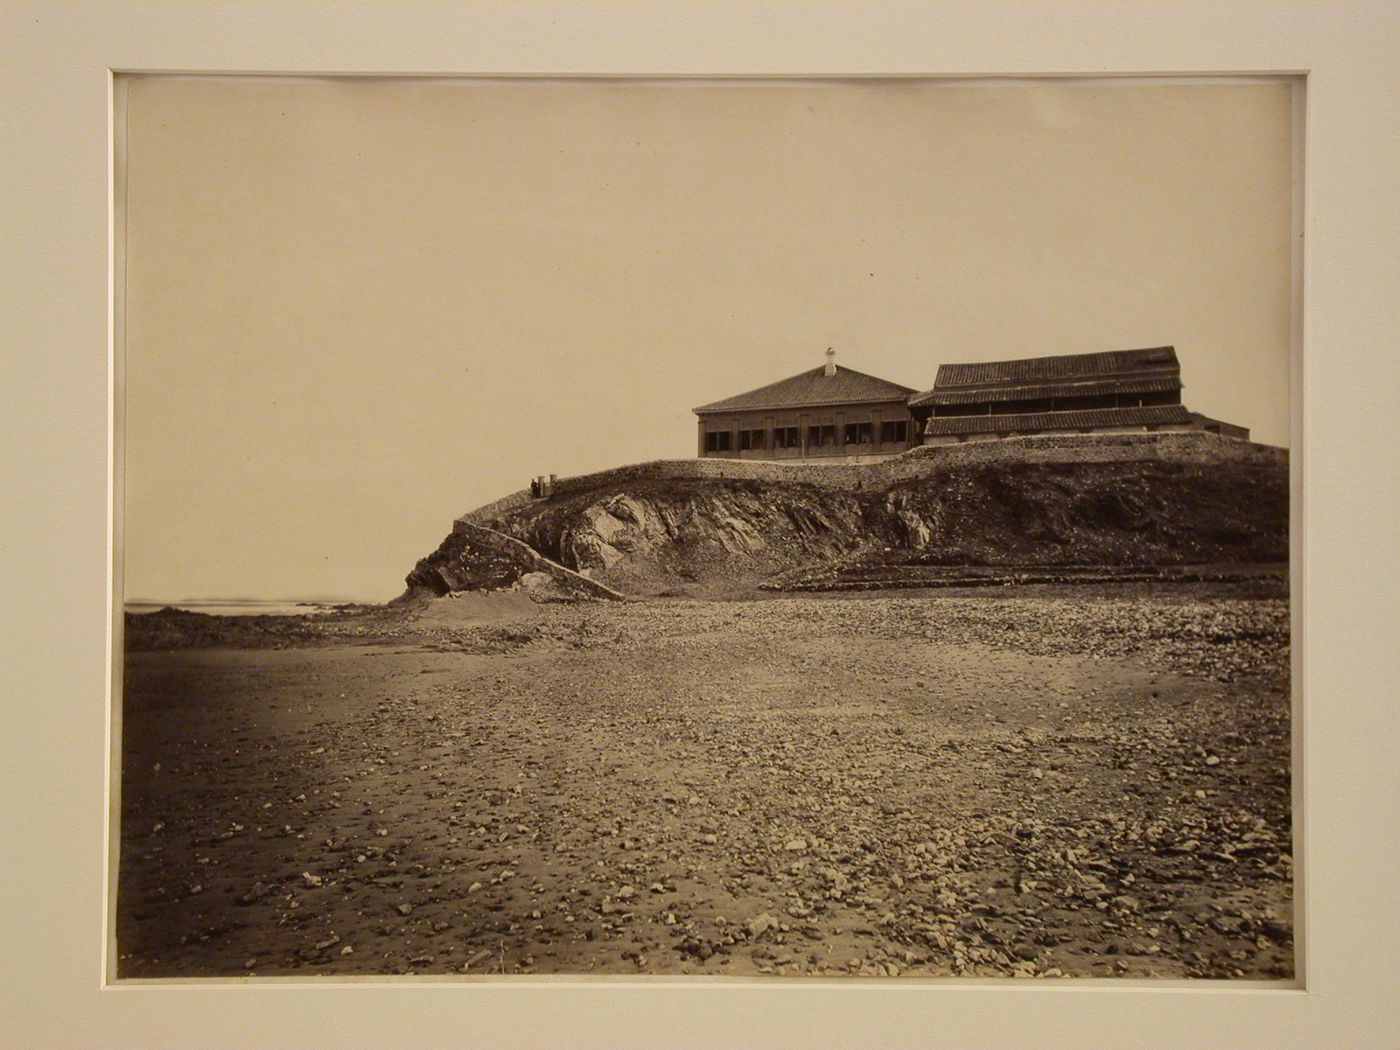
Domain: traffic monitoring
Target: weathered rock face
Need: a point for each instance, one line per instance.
(653, 534)
(1116, 514)
(474, 558)
(650, 535)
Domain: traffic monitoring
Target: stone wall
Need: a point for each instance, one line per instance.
(1191, 446)
(497, 508)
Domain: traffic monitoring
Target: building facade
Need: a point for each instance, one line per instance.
(828, 414)
(839, 415)
(1117, 392)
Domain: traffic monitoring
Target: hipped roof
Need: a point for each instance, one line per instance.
(1152, 361)
(813, 387)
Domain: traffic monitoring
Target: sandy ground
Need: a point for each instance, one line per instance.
(885, 786)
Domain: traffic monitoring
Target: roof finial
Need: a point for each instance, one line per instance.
(830, 361)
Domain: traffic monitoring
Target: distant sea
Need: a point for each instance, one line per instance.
(235, 606)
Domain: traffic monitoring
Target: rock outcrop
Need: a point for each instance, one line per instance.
(475, 558)
(650, 535)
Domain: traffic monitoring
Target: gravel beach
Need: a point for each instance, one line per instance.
(1040, 785)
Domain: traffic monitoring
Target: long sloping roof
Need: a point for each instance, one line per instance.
(1040, 391)
(1077, 419)
(1124, 364)
(814, 387)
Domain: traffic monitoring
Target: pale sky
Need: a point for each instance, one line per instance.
(358, 308)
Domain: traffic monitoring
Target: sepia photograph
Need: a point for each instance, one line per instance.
(796, 528)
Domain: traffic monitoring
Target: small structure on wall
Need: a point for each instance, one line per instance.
(829, 413)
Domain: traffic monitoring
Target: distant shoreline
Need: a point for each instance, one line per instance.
(239, 606)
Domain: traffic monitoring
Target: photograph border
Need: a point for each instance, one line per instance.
(64, 59)
(1296, 598)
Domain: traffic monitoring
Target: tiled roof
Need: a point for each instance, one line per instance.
(1073, 420)
(1160, 360)
(1070, 388)
(814, 387)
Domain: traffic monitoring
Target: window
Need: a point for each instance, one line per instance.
(786, 437)
(821, 435)
(752, 439)
(717, 441)
(894, 430)
(858, 433)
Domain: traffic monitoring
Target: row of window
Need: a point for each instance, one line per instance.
(820, 436)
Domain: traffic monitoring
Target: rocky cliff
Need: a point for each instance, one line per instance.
(1197, 503)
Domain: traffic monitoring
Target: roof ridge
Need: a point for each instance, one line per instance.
(1081, 353)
